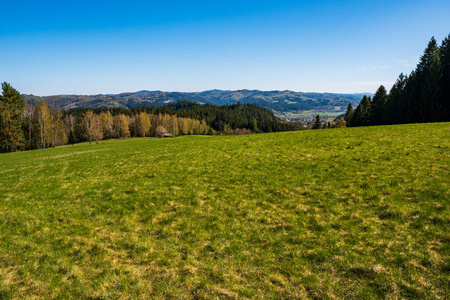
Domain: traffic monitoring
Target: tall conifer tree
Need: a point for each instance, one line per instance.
(444, 98)
(11, 119)
(349, 114)
(393, 106)
(317, 123)
(361, 116)
(377, 111)
(428, 83)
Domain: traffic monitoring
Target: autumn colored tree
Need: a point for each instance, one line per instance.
(93, 126)
(173, 125)
(183, 126)
(59, 133)
(120, 125)
(88, 124)
(42, 124)
(340, 123)
(142, 124)
(107, 125)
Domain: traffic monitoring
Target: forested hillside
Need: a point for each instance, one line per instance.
(282, 103)
(245, 116)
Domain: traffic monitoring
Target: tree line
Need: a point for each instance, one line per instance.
(222, 119)
(24, 126)
(423, 96)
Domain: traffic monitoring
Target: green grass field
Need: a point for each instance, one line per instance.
(322, 214)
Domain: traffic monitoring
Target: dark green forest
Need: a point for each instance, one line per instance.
(420, 97)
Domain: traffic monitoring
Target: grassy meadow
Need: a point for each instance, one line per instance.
(325, 214)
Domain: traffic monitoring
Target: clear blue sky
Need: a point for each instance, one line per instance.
(92, 47)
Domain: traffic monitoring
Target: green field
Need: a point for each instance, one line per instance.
(321, 214)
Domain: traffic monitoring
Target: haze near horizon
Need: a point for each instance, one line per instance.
(108, 47)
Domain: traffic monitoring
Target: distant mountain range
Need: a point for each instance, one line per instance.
(286, 104)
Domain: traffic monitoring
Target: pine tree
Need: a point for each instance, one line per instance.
(361, 116)
(12, 105)
(393, 110)
(254, 125)
(377, 112)
(317, 123)
(428, 73)
(349, 114)
(72, 137)
(444, 98)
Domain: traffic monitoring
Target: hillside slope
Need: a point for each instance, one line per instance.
(282, 103)
(344, 213)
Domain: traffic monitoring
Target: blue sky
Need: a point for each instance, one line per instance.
(92, 47)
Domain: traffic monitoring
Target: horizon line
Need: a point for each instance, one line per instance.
(210, 90)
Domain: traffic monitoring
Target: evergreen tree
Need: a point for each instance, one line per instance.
(12, 105)
(428, 73)
(317, 123)
(72, 137)
(377, 111)
(444, 98)
(349, 114)
(393, 110)
(254, 125)
(361, 116)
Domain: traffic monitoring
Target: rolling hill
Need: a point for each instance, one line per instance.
(286, 104)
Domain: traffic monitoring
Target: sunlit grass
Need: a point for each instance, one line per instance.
(342, 213)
